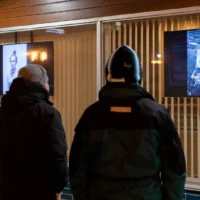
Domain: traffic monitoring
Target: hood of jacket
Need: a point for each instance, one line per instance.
(123, 92)
(23, 93)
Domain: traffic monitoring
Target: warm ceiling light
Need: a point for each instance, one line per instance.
(34, 55)
(156, 62)
(159, 55)
(43, 56)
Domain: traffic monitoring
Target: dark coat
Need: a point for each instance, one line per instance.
(126, 147)
(33, 162)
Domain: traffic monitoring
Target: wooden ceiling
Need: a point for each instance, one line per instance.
(26, 12)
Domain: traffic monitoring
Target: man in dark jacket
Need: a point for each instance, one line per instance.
(33, 162)
(126, 145)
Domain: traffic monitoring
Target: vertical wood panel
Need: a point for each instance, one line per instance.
(136, 36)
(172, 98)
(198, 138)
(178, 116)
(192, 137)
(130, 35)
(147, 54)
(8, 38)
(142, 52)
(185, 127)
(113, 39)
(165, 29)
(119, 43)
(125, 34)
(161, 67)
(99, 57)
(107, 42)
(153, 58)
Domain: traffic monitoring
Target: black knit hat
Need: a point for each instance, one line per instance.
(124, 63)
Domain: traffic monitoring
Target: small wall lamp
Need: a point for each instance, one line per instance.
(38, 55)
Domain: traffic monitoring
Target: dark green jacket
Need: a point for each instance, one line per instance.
(133, 154)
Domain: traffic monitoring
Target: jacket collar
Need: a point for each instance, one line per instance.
(24, 93)
(116, 92)
(22, 87)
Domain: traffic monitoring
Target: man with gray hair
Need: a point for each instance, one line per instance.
(33, 162)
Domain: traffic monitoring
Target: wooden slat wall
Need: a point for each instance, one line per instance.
(24, 12)
(74, 68)
(146, 37)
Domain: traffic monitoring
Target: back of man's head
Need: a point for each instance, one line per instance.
(36, 73)
(124, 64)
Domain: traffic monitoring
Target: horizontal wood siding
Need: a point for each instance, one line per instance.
(26, 12)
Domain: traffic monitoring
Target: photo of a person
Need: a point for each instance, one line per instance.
(13, 69)
(193, 56)
(14, 58)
